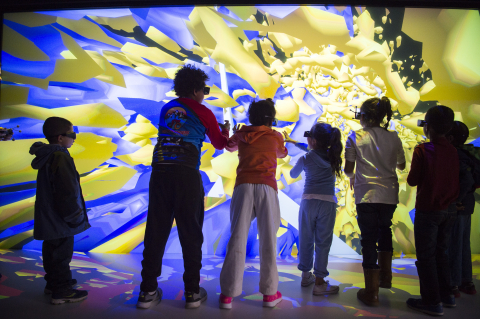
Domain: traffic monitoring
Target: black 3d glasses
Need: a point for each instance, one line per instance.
(71, 135)
(206, 90)
(421, 123)
(307, 134)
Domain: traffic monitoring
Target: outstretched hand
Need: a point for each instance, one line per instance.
(288, 139)
(236, 128)
(225, 126)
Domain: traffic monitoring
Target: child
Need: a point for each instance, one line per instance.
(376, 152)
(435, 171)
(60, 211)
(459, 253)
(255, 195)
(317, 213)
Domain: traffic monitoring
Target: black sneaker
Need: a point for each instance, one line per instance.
(145, 299)
(71, 295)
(194, 300)
(48, 289)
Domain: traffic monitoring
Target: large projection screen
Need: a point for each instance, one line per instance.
(109, 71)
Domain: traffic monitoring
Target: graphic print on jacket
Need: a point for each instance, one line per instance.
(180, 136)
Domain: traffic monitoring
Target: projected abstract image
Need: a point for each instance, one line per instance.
(110, 71)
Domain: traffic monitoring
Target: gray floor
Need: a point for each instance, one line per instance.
(113, 280)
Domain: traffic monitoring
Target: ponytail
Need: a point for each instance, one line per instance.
(334, 151)
(387, 108)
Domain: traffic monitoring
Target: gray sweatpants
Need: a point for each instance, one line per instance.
(250, 201)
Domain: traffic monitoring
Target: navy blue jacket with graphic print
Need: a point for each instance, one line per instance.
(182, 128)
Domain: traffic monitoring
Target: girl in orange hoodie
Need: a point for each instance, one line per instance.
(254, 195)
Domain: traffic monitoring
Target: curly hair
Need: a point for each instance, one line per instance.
(330, 139)
(261, 112)
(55, 126)
(374, 111)
(189, 79)
(440, 118)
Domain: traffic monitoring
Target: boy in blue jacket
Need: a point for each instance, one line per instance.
(60, 211)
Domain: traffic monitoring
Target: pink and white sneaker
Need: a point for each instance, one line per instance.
(272, 300)
(225, 302)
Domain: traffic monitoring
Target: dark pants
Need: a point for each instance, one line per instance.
(432, 235)
(459, 253)
(57, 254)
(375, 220)
(175, 192)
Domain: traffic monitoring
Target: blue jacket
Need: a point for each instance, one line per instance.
(319, 178)
(59, 206)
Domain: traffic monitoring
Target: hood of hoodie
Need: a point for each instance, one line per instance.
(42, 153)
(249, 134)
(320, 158)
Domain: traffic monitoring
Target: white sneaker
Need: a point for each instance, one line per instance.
(325, 289)
(307, 279)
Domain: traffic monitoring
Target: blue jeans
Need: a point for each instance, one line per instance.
(375, 221)
(459, 253)
(316, 220)
(432, 236)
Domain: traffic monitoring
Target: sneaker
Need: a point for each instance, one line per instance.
(48, 289)
(307, 279)
(456, 292)
(449, 302)
(416, 304)
(272, 300)
(145, 299)
(71, 295)
(225, 302)
(193, 300)
(325, 289)
(467, 288)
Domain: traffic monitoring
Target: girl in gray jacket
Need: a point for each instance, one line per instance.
(316, 217)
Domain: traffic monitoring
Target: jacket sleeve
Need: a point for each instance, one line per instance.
(282, 151)
(67, 193)
(298, 168)
(218, 138)
(416, 168)
(232, 143)
(466, 177)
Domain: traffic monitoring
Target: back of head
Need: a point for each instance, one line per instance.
(459, 133)
(261, 112)
(330, 139)
(440, 118)
(374, 111)
(189, 79)
(55, 126)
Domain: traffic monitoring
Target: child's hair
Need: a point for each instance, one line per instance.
(329, 138)
(374, 111)
(261, 112)
(459, 132)
(55, 126)
(440, 118)
(189, 79)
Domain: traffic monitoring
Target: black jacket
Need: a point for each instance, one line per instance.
(59, 206)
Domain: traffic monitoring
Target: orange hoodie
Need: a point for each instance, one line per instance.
(258, 149)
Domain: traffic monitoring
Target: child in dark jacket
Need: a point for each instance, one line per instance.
(434, 170)
(316, 217)
(459, 253)
(60, 211)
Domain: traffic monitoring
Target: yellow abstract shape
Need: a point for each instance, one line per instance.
(287, 110)
(219, 98)
(162, 39)
(111, 74)
(141, 156)
(104, 181)
(151, 53)
(288, 43)
(88, 29)
(126, 23)
(226, 164)
(13, 94)
(206, 161)
(20, 47)
(242, 92)
(22, 79)
(93, 115)
(16, 239)
(211, 202)
(30, 19)
(76, 70)
(123, 243)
